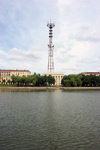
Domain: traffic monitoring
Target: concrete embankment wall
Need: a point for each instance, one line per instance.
(46, 88)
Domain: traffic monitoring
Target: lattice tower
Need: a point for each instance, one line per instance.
(51, 48)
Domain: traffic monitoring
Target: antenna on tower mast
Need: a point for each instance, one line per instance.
(51, 47)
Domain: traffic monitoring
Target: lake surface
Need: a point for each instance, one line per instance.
(50, 120)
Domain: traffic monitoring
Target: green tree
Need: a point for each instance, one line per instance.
(23, 80)
(9, 81)
(4, 81)
(50, 80)
(14, 79)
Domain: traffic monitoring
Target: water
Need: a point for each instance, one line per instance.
(50, 120)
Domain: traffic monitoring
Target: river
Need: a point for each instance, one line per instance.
(50, 120)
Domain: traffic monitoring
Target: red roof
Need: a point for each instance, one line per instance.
(15, 70)
(92, 72)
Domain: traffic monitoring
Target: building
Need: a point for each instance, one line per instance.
(58, 77)
(6, 74)
(91, 73)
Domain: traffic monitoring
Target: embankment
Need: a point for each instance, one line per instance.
(46, 88)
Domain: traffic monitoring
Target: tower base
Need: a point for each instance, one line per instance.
(58, 77)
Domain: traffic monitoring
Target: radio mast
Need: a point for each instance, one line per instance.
(51, 47)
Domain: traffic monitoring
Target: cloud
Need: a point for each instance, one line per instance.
(18, 54)
(87, 34)
(31, 59)
(77, 40)
(87, 38)
(64, 2)
(2, 53)
(80, 57)
(91, 60)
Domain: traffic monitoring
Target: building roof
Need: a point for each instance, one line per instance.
(14, 70)
(54, 73)
(92, 73)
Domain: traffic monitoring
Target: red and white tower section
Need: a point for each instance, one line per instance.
(51, 48)
(58, 76)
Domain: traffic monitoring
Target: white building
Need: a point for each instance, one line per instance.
(58, 77)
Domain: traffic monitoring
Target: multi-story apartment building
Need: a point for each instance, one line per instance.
(91, 73)
(6, 74)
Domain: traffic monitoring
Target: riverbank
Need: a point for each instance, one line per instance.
(46, 88)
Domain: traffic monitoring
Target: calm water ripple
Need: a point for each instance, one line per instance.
(50, 120)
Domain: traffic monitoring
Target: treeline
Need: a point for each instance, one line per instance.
(81, 80)
(33, 80)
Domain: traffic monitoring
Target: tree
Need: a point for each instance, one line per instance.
(36, 79)
(4, 81)
(9, 81)
(23, 80)
(14, 79)
(78, 80)
(81, 80)
(50, 80)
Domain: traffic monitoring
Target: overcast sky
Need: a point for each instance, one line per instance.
(24, 35)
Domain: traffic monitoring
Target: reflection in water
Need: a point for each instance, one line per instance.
(50, 120)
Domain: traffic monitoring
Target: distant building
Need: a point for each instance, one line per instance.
(58, 77)
(91, 73)
(6, 74)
